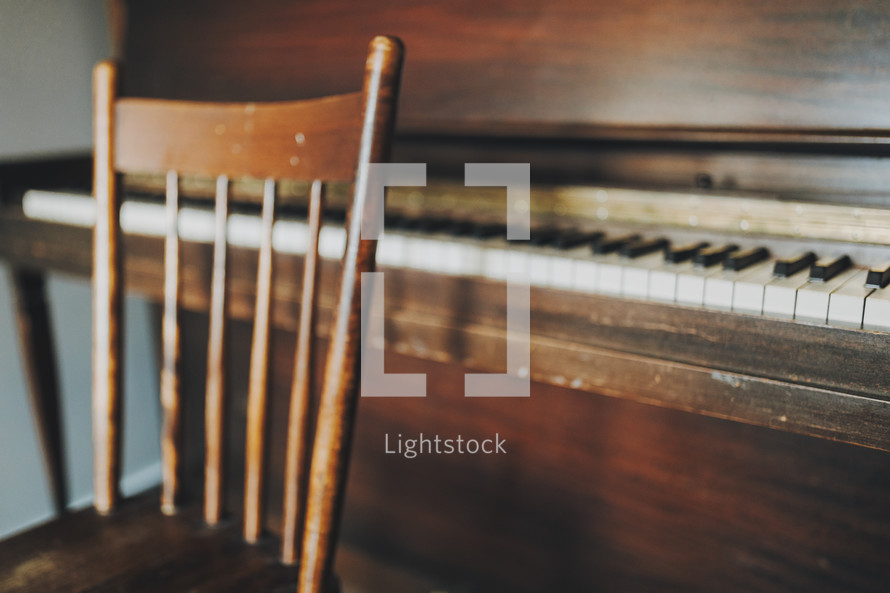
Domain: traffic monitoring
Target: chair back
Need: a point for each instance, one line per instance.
(320, 140)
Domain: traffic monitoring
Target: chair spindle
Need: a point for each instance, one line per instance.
(170, 396)
(213, 413)
(298, 428)
(258, 378)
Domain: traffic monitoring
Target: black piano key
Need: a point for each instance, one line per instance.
(335, 215)
(604, 245)
(460, 228)
(545, 235)
(793, 265)
(741, 260)
(489, 230)
(392, 219)
(677, 255)
(432, 224)
(826, 269)
(407, 223)
(711, 256)
(575, 238)
(641, 248)
(878, 276)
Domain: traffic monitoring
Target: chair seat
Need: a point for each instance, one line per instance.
(139, 550)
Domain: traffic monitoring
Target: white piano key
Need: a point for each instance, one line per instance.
(780, 295)
(471, 258)
(747, 293)
(145, 218)
(584, 275)
(562, 271)
(539, 268)
(813, 297)
(691, 285)
(877, 310)
(720, 287)
(415, 246)
(331, 242)
(663, 281)
(288, 236)
(846, 305)
(662, 285)
(452, 258)
(243, 230)
(198, 225)
(635, 275)
(635, 282)
(608, 274)
(718, 291)
(494, 263)
(517, 264)
(434, 249)
(391, 249)
(60, 207)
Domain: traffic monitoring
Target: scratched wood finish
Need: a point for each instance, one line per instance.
(330, 452)
(259, 370)
(241, 140)
(39, 359)
(107, 297)
(216, 349)
(298, 430)
(134, 549)
(602, 494)
(138, 551)
(612, 494)
(542, 67)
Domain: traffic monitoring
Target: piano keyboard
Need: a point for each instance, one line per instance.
(720, 275)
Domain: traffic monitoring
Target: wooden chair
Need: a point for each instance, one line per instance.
(327, 139)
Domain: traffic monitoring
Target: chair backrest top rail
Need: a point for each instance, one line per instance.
(256, 140)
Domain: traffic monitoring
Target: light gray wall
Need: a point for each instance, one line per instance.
(47, 50)
(24, 497)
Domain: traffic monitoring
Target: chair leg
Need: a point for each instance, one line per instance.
(39, 359)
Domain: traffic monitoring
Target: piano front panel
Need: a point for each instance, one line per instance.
(595, 493)
(543, 67)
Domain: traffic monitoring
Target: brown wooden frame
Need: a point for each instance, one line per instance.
(285, 140)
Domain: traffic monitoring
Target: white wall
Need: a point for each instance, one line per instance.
(47, 50)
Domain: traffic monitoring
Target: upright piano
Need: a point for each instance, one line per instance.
(709, 261)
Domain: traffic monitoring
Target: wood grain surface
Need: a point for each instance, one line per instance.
(545, 68)
(256, 140)
(257, 398)
(215, 389)
(339, 392)
(594, 493)
(137, 550)
(299, 436)
(171, 392)
(107, 272)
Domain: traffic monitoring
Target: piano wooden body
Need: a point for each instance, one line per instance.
(665, 446)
